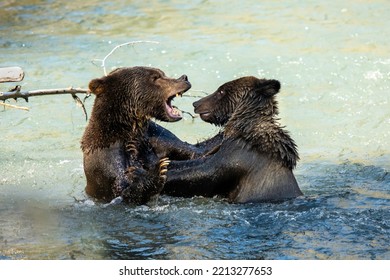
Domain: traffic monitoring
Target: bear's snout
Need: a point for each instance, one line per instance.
(196, 104)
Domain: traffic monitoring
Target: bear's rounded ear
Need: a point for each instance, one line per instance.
(96, 86)
(269, 87)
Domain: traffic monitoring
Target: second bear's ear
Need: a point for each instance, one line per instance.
(268, 87)
(96, 86)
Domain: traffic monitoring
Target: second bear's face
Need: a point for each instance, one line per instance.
(219, 106)
(142, 92)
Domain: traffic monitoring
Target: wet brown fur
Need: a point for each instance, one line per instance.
(118, 158)
(255, 160)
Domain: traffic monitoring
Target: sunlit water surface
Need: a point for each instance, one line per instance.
(333, 61)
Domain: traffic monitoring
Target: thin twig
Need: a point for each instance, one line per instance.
(196, 90)
(193, 96)
(14, 106)
(81, 104)
(103, 61)
(191, 115)
(200, 90)
(185, 112)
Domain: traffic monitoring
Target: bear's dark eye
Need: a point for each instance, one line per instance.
(221, 93)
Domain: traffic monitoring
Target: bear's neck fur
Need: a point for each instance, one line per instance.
(254, 121)
(110, 123)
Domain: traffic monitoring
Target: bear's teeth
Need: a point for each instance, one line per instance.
(175, 111)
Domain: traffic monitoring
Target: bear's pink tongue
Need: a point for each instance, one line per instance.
(173, 111)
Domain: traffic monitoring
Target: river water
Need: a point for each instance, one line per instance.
(333, 61)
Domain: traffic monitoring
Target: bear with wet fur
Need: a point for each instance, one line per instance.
(254, 162)
(119, 160)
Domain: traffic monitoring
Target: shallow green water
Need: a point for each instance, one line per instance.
(333, 61)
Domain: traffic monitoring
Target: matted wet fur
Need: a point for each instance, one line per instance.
(118, 157)
(254, 163)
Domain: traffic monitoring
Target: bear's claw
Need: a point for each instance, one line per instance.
(131, 147)
(163, 167)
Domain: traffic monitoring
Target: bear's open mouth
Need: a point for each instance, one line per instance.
(172, 111)
(203, 114)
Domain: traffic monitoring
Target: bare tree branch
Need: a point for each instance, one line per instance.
(17, 93)
(103, 61)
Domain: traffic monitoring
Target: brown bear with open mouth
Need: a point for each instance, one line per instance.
(119, 160)
(255, 160)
